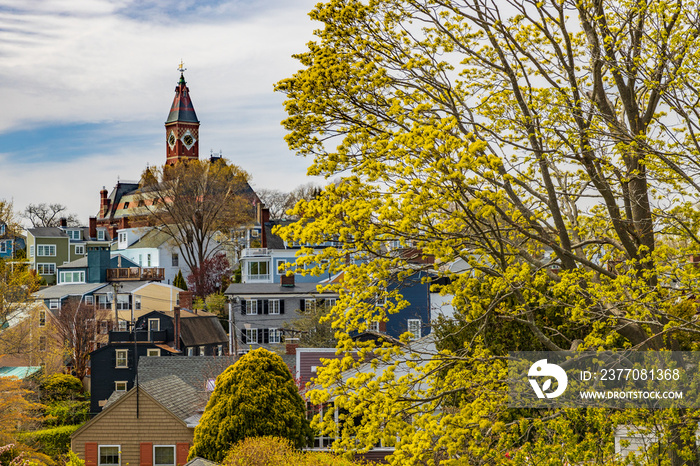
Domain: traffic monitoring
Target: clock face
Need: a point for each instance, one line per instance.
(188, 140)
(171, 140)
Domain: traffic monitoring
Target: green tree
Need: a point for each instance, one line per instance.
(550, 149)
(254, 397)
(180, 281)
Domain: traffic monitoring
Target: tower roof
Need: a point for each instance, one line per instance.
(182, 109)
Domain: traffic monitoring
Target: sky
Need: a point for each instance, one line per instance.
(86, 86)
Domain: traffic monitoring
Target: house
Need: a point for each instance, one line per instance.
(157, 417)
(151, 247)
(50, 247)
(265, 310)
(155, 334)
(10, 242)
(148, 425)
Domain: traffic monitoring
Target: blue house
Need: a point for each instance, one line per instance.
(10, 242)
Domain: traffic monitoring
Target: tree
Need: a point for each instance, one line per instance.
(17, 283)
(211, 276)
(75, 324)
(551, 148)
(180, 281)
(281, 203)
(313, 328)
(196, 200)
(49, 215)
(254, 397)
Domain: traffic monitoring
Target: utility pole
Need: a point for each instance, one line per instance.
(234, 307)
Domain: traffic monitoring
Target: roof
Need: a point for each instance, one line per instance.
(200, 462)
(202, 330)
(113, 263)
(182, 108)
(152, 239)
(176, 395)
(73, 289)
(193, 370)
(274, 288)
(21, 372)
(47, 232)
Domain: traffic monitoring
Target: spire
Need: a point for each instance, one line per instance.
(182, 108)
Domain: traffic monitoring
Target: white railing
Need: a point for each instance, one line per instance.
(255, 252)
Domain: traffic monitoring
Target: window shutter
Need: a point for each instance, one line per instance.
(243, 338)
(302, 304)
(258, 335)
(266, 306)
(181, 452)
(281, 306)
(146, 454)
(90, 454)
(266, 335)
(243, 306)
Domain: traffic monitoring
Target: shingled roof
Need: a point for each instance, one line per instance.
(196, 371)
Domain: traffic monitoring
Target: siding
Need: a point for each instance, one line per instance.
(119, 426)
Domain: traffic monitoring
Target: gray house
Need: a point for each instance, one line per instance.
(264, 311)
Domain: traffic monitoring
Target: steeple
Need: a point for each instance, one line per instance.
(182, 126)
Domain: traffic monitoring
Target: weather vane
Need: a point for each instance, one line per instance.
(182, 68)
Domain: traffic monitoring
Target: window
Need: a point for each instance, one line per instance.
(122, 237)
(374, 326)
(80, 249)
(2, 229)
(275, 335)
(89, 300)
(330, 302)
(140, 260)
(414, 326)
(120, 386)
(103, 301)
(137, 302)
(251, 307)
(220, 350)
(100, 235)
(282, 265)
(74, 234)
(190, 351)
(123, 302)
(153, 352)
(258, 270)
(164, 455)
(251, 335)
(46, 269)
(176, 260)
(109, 455)
(274, 306)
(54, 303)
(72, 277)
(3, 246)
(122, 325)
(42, 343)
(46, 250)
(153, 325)
(31, 251)
(202, 350)
(310, 305)
(148, 260)
(104, 327)
(42, 318)
(122, 358)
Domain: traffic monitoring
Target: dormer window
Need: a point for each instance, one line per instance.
(74, 235)
(100, 235)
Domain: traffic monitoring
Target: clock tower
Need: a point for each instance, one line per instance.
(182, 126)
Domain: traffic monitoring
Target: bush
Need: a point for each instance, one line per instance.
(276, 451)
(53, 442)
(254, 397)
(61, 387)
(67, 413)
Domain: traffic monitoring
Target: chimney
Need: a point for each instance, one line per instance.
(265, 217)
(176, 314)
(104, 202)
(287, 281)
(186, 299)
(291, 348)
(63, 222)
(92, 233)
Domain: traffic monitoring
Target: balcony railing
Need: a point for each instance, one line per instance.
(255, 252)
(141, 335)
(136, 273)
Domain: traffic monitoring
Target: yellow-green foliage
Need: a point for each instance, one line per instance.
(256, 396)
(275, 451)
